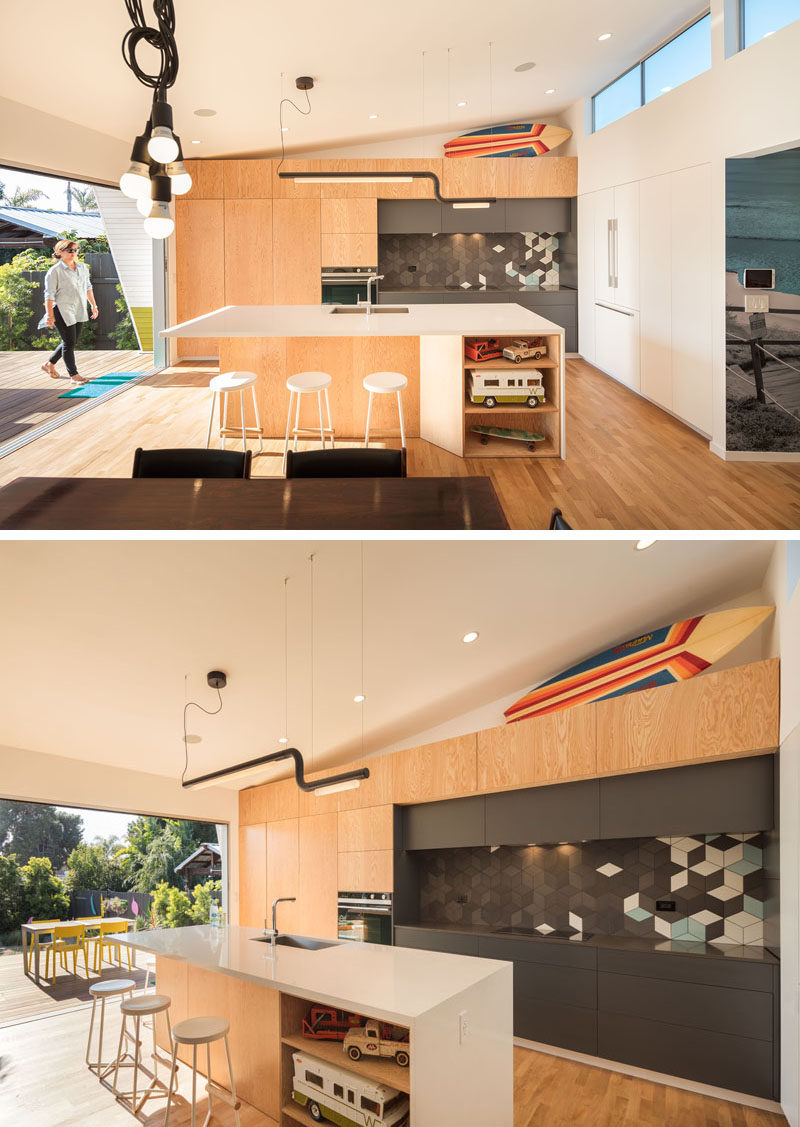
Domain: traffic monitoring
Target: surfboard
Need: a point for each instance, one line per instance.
(658, 657)
(521, 139)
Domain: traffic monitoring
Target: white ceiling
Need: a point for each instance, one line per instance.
(98, 636)
(365, 58)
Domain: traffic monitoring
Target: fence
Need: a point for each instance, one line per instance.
(86, 902)
(104, 277)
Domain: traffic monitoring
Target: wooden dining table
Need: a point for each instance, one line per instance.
(32, 933)
(409, 503)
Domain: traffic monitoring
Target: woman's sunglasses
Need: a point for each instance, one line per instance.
(70, 250)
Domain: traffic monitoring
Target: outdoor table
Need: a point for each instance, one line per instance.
(412, 503)
(31, 934)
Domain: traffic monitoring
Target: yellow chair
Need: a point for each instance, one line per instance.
(92, 928)
(110, 927)
(58, 945)
(42, 938)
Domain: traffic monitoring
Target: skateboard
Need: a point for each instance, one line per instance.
(529, 437)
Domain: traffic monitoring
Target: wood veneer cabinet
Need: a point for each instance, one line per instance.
(561, 745)
(368, 828)
(317, 876)
(252, 875)
(370, 871)
(207, 179)
(296, 252)
(248, 252)
(439, 770)
(715, 716)
(200, 257)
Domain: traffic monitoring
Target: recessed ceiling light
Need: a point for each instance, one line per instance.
(472, 636)
(194, 739)
(460, 104)
(284, 129)
(205, 113)
(550, 91)
(525, 66)
(359, 699)
(645, 542)
(604, 36)
(665, 89)
(195, 142)
(372, 116)
(283, 739)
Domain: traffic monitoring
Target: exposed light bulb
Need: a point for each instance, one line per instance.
(162, 146)
(135, 183)
(159, 224)
(144, 205)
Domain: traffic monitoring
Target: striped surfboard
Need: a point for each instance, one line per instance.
(659, 657)
(521, 139)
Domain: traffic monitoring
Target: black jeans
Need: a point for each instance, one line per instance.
(69, 338)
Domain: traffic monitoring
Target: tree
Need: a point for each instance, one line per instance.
(85, 198)
(24, 197)
(10, 893)
(96, 867)
(32, 830)
(43, 895)
(123, 334)
(157, 845)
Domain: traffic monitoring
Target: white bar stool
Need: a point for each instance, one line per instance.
(385, 383)
(305, 383)
(225, 384)
(143, 1005)
(100, 991)
(202, 1031)
(150, 973)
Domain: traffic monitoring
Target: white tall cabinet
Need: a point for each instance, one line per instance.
(644, 250)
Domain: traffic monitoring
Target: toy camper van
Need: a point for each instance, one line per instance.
(330, 1094)
(496, 386)
(520, 350)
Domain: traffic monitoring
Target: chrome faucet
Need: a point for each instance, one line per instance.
(273, 934)
(368, 303)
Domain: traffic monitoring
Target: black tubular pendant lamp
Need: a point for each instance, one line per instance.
(378, 177)
(156, 172)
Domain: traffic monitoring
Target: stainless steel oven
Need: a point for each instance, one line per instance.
(365, 917)
(347, 285)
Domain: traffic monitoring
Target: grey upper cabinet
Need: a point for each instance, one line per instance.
(561, 812)
(469, 221)
(409, 217)
(445, 825)
(550, 215)
(735, 796)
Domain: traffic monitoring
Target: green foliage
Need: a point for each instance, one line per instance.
(157, 845)
(10, 893)
(116, 905)
(85, 246)
(31, 830)
(20, 197)
(172, 907)
(16, 293)
(43, 895)
(95, 866)
(123, 334)
(203, 894)
(84, 197)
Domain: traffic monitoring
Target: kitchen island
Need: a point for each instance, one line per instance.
(457, 1010)
(424, 342)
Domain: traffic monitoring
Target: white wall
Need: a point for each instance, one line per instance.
(744, 105)
(41, 142)
(31, 776)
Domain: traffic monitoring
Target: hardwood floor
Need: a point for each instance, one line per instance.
(29, 397)
(628, 466)
(44, 1082)
(21, 999)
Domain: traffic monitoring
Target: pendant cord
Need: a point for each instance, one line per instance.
(311, 562)
(364, 700)
(285, 732)
(491, 92)
(305, 113)
(161, 39)
(193, 704)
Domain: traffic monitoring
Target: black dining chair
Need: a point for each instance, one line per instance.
(191, 463)
(558, 523)
(356, 462)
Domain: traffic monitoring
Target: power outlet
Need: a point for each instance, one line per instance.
(665, 905)
(462, 898)
(463, 1027)
(756, 303)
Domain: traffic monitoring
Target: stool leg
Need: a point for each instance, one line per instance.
(224, 416)
(230, 1077)
(208, 1085)
(115, 1085)
(258, 421)
(288, 425)
(369, 413)
(100, 1041)
(172, 1074)
(330, 424)
(241, 408)
(321, 427)
(211, 418)
(296, 422)
(194, 1082)
(400, 413)
(135, 1061)
(91, 1027)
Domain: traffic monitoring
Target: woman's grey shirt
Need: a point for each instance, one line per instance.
(68, 289)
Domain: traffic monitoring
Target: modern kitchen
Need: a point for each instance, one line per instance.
(467, 878)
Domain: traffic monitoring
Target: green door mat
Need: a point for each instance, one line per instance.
(100, 385)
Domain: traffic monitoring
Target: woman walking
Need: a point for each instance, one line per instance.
(67, 287)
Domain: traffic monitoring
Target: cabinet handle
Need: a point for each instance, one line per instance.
(611, 309)
(610, 252)
(616, 253)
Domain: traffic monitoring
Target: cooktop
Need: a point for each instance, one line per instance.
(532, 933)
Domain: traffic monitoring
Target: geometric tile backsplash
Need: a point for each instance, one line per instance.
(716, 881)
(520, 260)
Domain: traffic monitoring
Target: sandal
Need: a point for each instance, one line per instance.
(50, 370)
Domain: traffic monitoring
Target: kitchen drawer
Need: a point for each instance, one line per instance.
(551, 954)
(568, 1027)
(688, 968)
(449, 824)
(539, 298)
(562, 986)
(718, 1009)
(408, 297)
(450, 942)
(725, 1060)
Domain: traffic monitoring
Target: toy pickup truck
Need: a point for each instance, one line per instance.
(367, 1041)
(521, 350)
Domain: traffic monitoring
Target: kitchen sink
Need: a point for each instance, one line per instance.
(302, 941)
(362, 309)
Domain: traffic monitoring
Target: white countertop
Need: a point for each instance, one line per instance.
(391, 983)
(502, 319)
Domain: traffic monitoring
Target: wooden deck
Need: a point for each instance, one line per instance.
(29, 397)
(21, 999)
